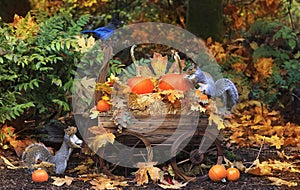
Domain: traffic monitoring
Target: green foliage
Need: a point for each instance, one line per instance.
(37, 69)
(278, 42)
(115, 67)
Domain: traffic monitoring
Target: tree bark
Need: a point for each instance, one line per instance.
(204, 18)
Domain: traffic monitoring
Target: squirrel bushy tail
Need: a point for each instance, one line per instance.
(38, 153)
(35, 154)
(225, 85)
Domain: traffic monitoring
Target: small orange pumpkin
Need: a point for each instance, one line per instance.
(217, 173)
(140, 85)
(173, 81)
(39, 175)
(233, 174)
(102, 106)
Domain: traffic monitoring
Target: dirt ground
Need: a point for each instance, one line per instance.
(21, 178)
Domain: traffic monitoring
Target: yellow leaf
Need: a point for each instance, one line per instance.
(257, 118)
(265, 168)
(61, 181)
(159, 64)
(83, 45)
(100, 140)
(141, 175)
(253, 45)
(275, 141)
(240, 67)
(8, 163)
(105, 97)
(280, 182)
(172, 95)
(176, 185)
(282, 155)
(101, 137)
(263, 67)
(102, 182)
(81, 169)
(216, 119)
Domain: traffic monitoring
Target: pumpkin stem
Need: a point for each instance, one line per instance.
(137, 69)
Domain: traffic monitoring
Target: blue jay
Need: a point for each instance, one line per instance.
(107, 31)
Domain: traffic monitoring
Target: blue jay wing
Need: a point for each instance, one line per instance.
(87, 31)
(103, 33)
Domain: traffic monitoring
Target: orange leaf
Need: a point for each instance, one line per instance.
(263, 67)
(20, 145)
(9, 133)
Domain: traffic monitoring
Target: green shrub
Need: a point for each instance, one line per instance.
(37, 64)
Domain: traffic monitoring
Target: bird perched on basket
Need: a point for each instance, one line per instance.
(223, 87)
(107, 31)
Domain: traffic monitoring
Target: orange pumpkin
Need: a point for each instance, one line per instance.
(102, 106)
(173, 81)
(140, 85)
(233, 174)
(39, 175)
(217, 173)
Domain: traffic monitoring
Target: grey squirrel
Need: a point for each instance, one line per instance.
(223, 87)
(37, 153)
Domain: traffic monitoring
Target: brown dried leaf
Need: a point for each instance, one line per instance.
(176, 184)
(141, 175)
(216, 119)
(263, 67)
(101, 137)
(159, 64)
(102, 182)
(279, 182)
(81, 169)
(61, 181)
(8, 163)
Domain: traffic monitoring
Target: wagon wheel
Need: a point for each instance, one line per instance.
(188, 162)
(121, 157)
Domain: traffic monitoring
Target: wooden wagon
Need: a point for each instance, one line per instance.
(152, 137)
(142, 136)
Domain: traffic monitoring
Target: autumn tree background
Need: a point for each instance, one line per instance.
(256, 43)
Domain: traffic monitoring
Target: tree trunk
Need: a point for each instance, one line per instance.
(9, 8)
(204, 18)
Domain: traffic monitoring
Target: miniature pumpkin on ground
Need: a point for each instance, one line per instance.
(217, 173)
(140, 85)
(39, 175)
(233, 174)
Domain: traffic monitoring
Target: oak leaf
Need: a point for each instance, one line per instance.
(58, 181)
(216, 119)
(279, 182)
(85, 45)
(263, 67)
(101, 137)
(81, 169)
(176, 184)
(275, 141)
(159, 64)
(8, 163)
(144, 170)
